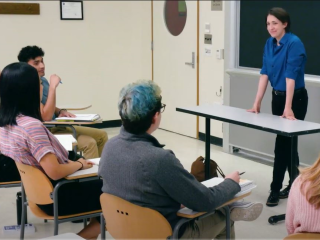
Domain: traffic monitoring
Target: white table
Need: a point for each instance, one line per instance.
(262, 121)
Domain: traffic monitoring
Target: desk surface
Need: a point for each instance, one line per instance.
(90, 172)
(72, 123)
(261, 121)
(76, 107)
(197, 214)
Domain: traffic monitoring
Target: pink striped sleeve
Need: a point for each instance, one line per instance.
(291, 206)
(38, 140)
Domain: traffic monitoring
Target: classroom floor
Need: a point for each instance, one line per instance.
(187, 150)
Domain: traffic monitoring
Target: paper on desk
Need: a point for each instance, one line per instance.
(93, 169)
(95, 161)
(245, 184)
(81, 117)
(66, 140)
(187, 211)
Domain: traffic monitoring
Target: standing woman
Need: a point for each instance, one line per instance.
(284, 62)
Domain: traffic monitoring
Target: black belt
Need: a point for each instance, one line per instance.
(283, 93)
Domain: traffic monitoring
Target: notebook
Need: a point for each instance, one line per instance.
(85, 172)
(95, 161)
(80, 118)
(246, 186)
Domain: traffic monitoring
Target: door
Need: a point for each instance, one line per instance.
(175, 66)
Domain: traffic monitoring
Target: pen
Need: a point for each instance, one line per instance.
(241, 173)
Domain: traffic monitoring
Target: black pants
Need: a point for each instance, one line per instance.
(282, 151)
(76, 198)
(8, 170)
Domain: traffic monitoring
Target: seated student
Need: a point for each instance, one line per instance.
(303, 206)
(134, 166)
(25, 139)
(90, 140)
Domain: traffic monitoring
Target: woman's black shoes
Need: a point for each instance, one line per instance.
(273, 199)
(284, 193)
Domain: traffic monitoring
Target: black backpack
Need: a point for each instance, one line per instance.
(8, 170)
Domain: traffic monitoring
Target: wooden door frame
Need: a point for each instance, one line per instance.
(197, 58)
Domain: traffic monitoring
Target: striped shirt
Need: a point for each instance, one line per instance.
(301, 216)
(28, 141)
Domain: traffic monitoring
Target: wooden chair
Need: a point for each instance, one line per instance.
(303, 236)
(125, 220)
(39, 190)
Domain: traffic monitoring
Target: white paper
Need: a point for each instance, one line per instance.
(95, 161)
(71, 10)
(81, 117)
(93, 169)
(246, 185)
(66, 141)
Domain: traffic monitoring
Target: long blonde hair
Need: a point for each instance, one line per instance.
(311, 175)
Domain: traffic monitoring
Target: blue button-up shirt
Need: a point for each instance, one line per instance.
(285, 61)
(45, 93)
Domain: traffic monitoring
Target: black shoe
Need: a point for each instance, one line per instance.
(273, 199)
(284, 193)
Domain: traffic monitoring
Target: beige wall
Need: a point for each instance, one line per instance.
(94, 57)
(211, 69)
(108, 49)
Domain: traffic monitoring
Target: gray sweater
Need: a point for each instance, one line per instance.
(138, 169)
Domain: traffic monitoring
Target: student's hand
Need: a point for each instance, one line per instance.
(255, 108)
(65, 113)
(54, 80)
(288, 114)
(234, 176)
(86, 164)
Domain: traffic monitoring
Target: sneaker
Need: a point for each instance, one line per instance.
(273, 199)
(284, 193)
(245, 211)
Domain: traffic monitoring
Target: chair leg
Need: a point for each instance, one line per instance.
(228, 222)
(56, 228)
(23, 214)
(85, 222)
(102, 227)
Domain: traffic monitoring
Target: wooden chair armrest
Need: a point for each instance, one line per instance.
(198, 214)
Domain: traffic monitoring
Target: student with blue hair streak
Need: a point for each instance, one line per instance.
(135, 167)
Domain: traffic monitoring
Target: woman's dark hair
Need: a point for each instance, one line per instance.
(19, 93)
(280, 14)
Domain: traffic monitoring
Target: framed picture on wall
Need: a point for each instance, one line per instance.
(71, 10)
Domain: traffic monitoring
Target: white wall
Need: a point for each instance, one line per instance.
(94, 57)
(211, 69)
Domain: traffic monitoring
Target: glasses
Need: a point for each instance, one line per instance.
(163, 107)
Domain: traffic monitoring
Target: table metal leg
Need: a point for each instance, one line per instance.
(207, 149)
(228, 222)
(294, 167)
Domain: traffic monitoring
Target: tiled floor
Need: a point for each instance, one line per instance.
(187, 150)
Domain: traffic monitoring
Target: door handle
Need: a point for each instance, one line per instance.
(192, 64)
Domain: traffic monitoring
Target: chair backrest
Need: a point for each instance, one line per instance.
(127, 220)
(303, 236)
(36, 184)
